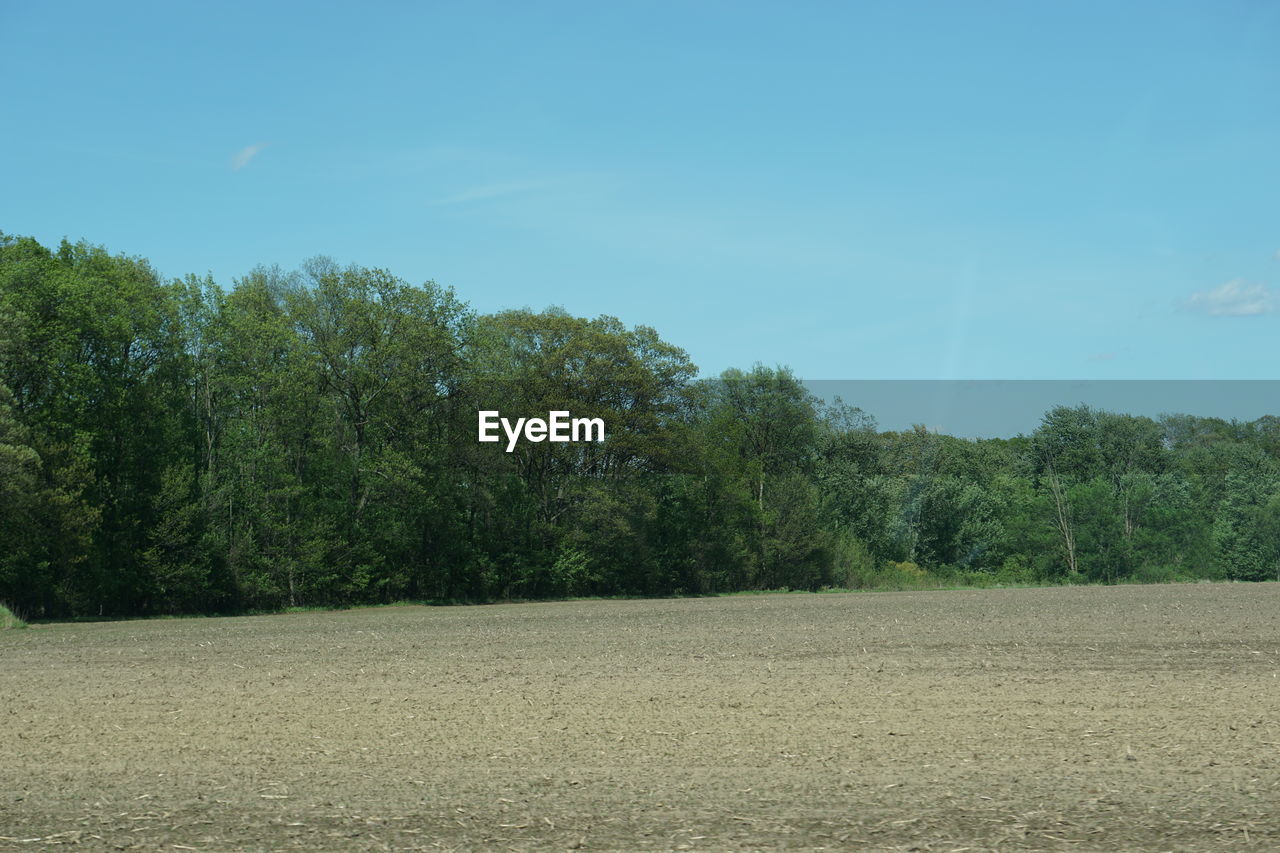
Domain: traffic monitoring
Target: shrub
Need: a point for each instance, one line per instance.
(1015, 570)
(854, 566)
(1160, 574)
(9, 620)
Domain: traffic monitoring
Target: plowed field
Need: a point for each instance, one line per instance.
(1121, 718)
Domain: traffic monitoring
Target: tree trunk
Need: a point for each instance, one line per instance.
(1063, 522)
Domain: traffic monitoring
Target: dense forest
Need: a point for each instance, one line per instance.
(309, 438)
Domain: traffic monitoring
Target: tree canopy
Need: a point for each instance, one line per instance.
(309, 438)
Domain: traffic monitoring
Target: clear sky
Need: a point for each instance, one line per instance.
(857, 190)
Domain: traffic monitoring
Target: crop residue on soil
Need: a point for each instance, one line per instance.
(1075, 718)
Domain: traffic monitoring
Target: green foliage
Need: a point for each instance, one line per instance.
(1245, 541)
(904, 575)
(1015, 571)
(854, 564)
(1153, 573)
(9, 620)
(573, 573)
(176, 560)
(307, 439)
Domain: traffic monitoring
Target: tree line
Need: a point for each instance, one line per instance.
(308, 438)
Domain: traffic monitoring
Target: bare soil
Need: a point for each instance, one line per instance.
(1121, 718)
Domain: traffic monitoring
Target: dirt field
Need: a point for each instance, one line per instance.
(1092, 718)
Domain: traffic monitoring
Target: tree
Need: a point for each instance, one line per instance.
(767, 422)
(98, 371)
(1100, 471)
(1244, 529)
(388, 357)
(597, 500)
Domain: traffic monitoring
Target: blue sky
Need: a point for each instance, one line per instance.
(940, 190)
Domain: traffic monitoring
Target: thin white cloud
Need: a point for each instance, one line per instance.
(244, 155)
(488, 191)
(1235, 298)
(1102, 356)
